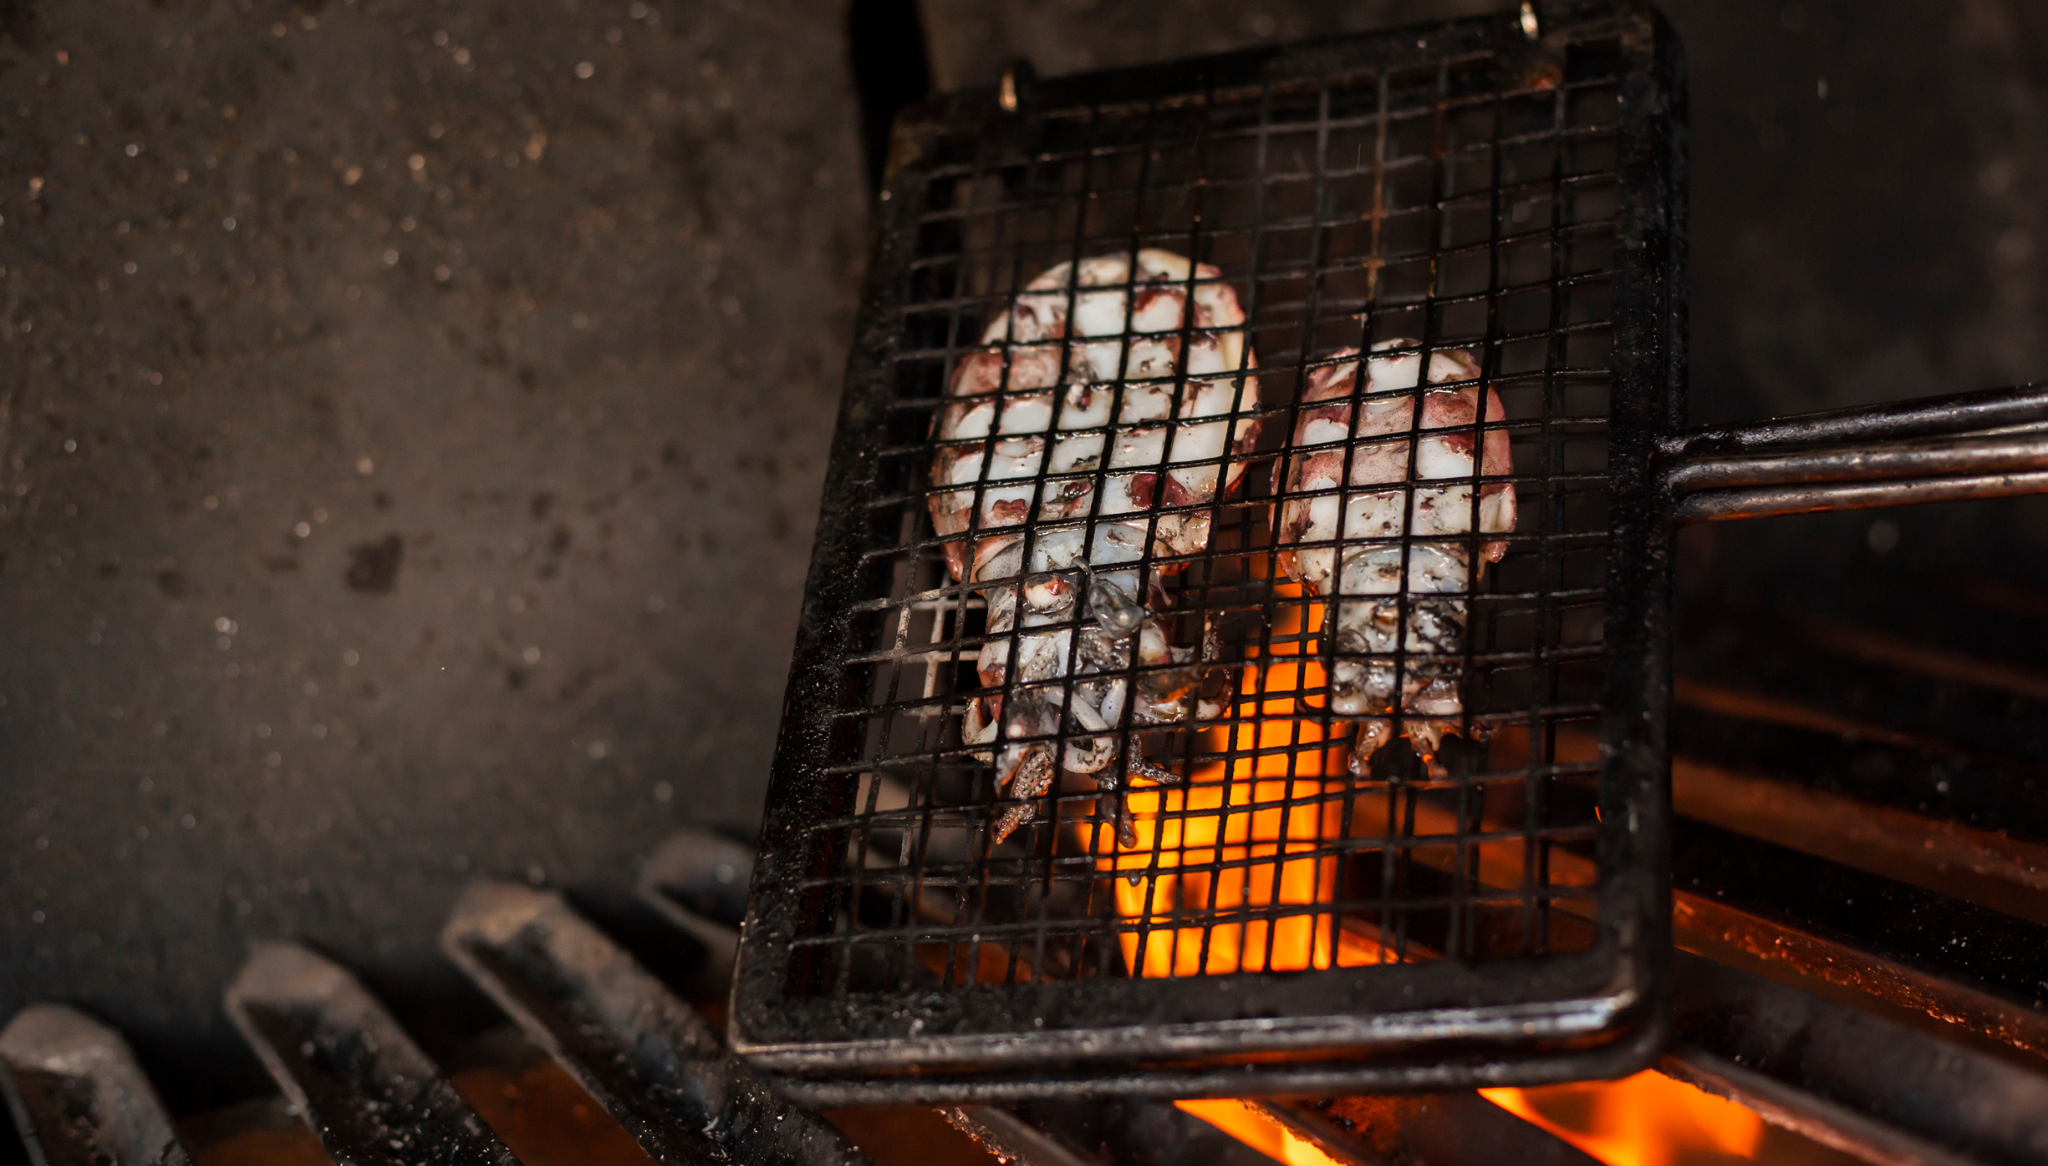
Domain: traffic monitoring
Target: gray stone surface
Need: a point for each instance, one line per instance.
(412, 420)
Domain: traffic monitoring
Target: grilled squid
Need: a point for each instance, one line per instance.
(1380, 521)
(1079, 447)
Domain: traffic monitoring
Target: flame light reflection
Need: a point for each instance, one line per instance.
(1645, 1120)
(1239, 828)
(1258, 1131)
(1256, 852)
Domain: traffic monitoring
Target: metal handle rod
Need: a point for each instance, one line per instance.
(1769, 501)
(1942, 449)
(1970, 457)
(1923, 418)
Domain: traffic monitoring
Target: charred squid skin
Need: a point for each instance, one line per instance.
(1162, 698)
(1031, 779)
(1092, 746)
(1393, 463)
(1119, 787)
(1105, 408)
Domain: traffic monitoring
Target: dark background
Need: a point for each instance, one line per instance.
(530, 316)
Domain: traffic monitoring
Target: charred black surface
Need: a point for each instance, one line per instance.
(646, 1056)
(1884, 1090)
(367, 1091)
(1931, 932)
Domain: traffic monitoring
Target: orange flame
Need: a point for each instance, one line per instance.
(1645, 1120)
(1258, 1131)
(1241, 819)
(1242, 823)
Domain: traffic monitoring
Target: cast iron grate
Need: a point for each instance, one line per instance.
(1460, 190)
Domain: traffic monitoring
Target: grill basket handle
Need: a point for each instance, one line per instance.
(1943, 449)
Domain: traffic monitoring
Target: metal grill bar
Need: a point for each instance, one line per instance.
(1987, 411)
(77, 1095)
(1884, 1091)
(643, 1054)
(1011, 1139)
(1842, 1074)
(1957, 946)
(359, 1081)
(697, 881)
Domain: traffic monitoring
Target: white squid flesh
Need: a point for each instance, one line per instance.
(1163, 348)
(1372, 429)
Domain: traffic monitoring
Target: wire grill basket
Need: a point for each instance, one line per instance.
(1258, 880)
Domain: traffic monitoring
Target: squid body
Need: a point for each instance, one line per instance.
(1082, 446)
(1380, 514)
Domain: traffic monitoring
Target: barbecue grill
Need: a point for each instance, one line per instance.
(1853, 1026)
(1856, 869)
(1510, 188)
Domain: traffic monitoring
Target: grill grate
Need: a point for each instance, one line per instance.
(1452, 195)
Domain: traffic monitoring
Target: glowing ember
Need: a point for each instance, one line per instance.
(1258, 1131)
(1235, 865)
(1240, 828)
(1259, 830)
(1645, 1120)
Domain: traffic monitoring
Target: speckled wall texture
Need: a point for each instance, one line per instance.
(413, 419)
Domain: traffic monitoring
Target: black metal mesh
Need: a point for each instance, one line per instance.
(1466, 204)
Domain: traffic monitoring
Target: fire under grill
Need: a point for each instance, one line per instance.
(1850, 990)
(1459, 201)
(1860, 892)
